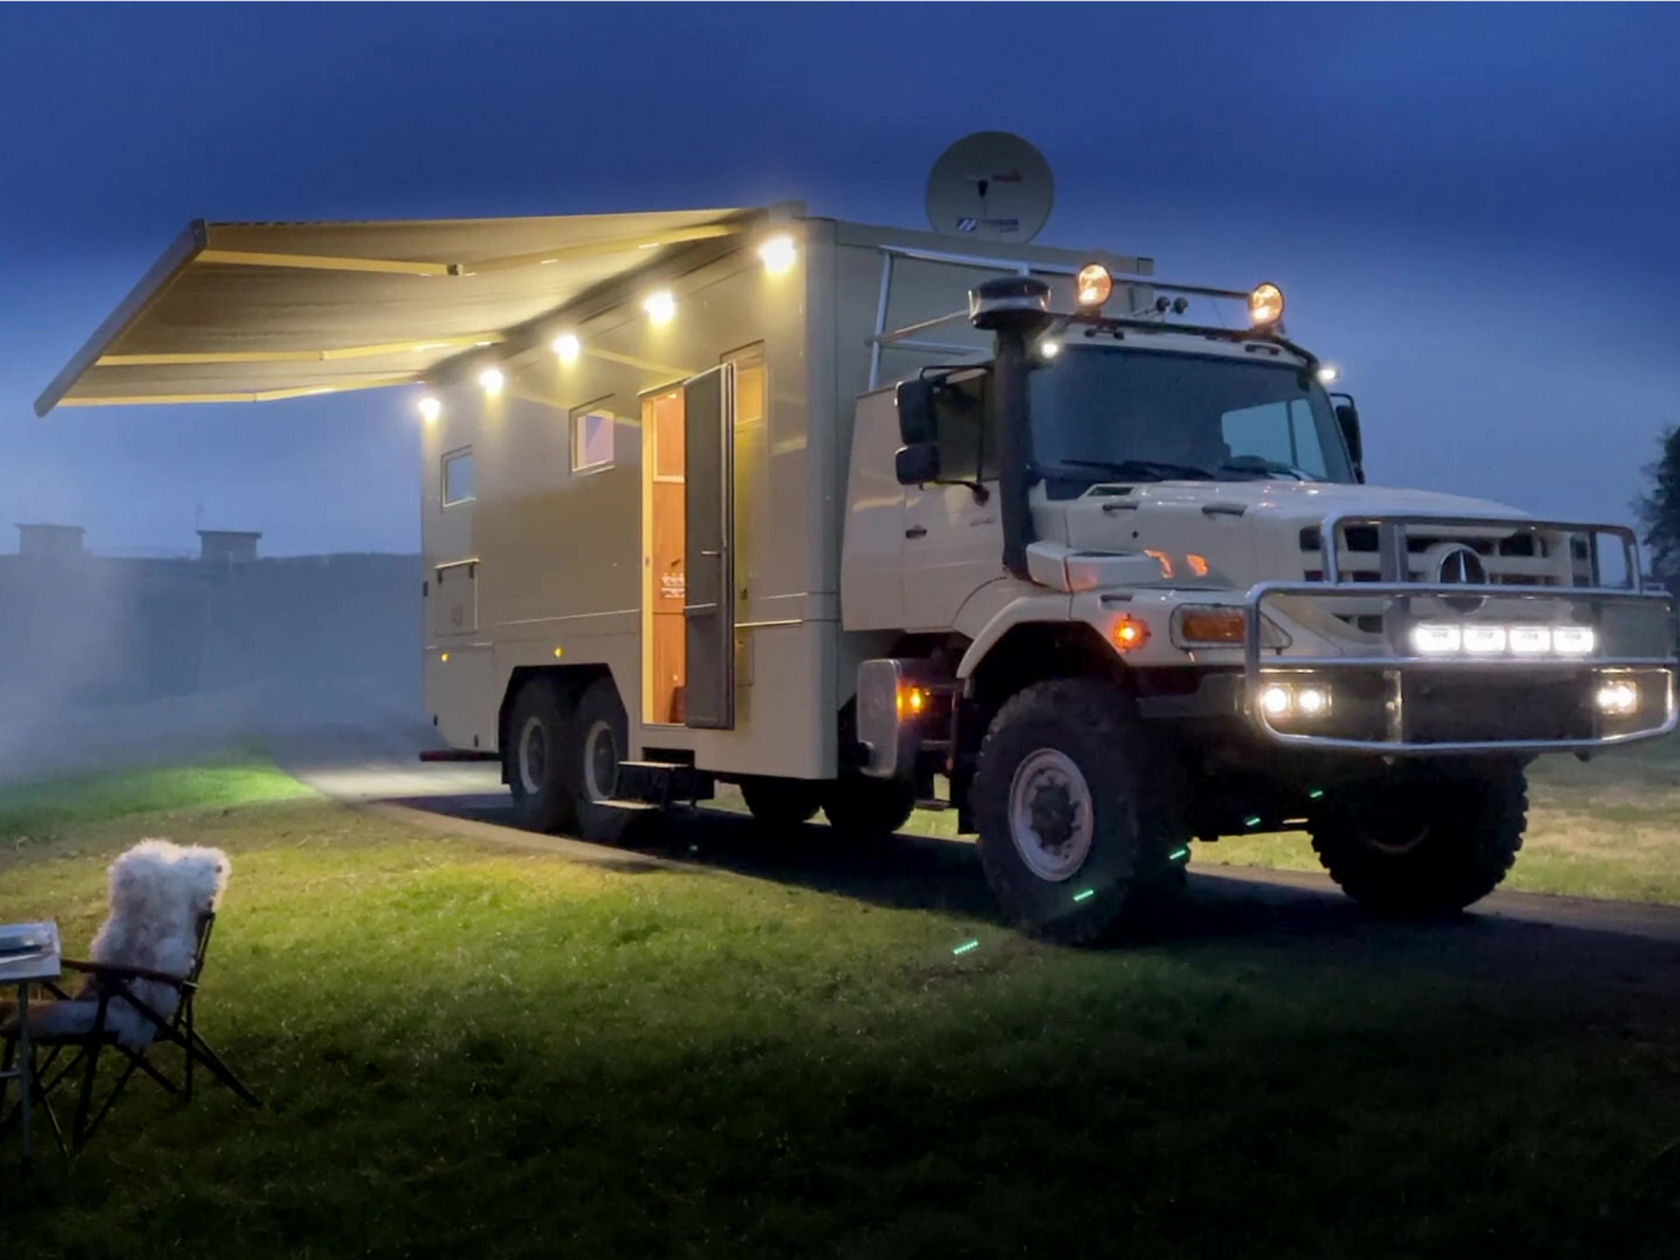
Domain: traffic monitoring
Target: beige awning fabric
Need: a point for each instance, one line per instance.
(243, 312)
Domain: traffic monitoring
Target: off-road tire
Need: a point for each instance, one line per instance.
(781, 804)
(1095, 726)
(862, 808)
(1429, 845)
(539, 732)
(599, 711)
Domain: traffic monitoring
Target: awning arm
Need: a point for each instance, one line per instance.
(182, 250)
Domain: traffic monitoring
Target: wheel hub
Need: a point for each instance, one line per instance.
(533, 756)
(1050, 814)
(600, 762)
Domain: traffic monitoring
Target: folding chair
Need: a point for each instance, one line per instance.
(108, 987)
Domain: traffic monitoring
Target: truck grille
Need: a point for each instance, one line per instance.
(1511, 553)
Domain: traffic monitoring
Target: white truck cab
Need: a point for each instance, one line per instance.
(1147, 596)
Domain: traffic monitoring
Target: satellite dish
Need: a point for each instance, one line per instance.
(990, 186)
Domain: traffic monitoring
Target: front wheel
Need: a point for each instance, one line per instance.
(1426, 846)
(1057, 801)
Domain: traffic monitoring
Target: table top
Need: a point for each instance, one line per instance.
(42, 962)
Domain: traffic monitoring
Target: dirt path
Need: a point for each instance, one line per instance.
(1583, 938)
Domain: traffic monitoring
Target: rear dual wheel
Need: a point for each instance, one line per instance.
(564, 758)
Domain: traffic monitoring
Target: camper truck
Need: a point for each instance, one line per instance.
(856, 519)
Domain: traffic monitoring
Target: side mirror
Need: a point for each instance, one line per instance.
(915, 410)
(917, 464)
(1347, 416)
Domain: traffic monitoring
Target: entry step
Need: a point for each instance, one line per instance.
(661, 783)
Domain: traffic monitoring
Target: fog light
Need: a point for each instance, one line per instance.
(1275, 700)
(1312, 701)
(1618, 698)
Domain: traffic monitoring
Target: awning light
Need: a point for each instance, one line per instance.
(429, 408)
(661, 307)
(778, 255)
(567, 347)
(1265, 304)
(492, 380)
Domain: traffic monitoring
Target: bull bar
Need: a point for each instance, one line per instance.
(1396, 664)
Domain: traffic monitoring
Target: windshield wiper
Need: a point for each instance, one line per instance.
(1259, 464)
(1143, 469)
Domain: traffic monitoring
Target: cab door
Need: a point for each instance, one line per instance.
(953, 542)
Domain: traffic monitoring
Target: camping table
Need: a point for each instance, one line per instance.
(24, 970)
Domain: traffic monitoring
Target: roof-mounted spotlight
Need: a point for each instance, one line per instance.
(661, 307)
(1327, 373)
(1092, 286)
(1265, 305)
(429, 408)
(566, 347)
(492, 380)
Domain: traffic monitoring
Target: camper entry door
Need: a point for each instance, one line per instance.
(709, 559)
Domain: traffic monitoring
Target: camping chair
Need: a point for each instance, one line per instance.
(103, 1023)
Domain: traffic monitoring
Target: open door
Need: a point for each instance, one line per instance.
(709, 608)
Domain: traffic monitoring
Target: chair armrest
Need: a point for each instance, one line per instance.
(113, 972)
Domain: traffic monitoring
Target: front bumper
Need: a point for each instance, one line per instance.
(1384, 697)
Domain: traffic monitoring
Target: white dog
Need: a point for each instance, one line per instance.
(159, 894)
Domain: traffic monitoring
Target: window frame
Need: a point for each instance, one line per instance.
(444, 462)
(574, 421)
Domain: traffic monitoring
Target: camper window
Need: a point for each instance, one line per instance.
(458, 477)
(592, 438)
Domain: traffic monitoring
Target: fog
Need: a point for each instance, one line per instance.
(109, 661)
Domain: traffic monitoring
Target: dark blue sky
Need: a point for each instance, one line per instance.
(1475, 210)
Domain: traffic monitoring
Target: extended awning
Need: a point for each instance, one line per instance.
(244, 312)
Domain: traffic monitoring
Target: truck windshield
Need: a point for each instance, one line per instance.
(1103, 413)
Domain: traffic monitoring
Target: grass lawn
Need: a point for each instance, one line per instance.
(1603, 828)
(470, 1051)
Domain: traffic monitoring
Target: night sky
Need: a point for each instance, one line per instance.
(1475, 211)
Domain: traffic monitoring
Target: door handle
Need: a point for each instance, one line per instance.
(710, 553)
(916, 531)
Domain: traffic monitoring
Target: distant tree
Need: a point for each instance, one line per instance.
(1658, 510)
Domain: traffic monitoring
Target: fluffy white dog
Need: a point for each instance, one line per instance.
(159, 893)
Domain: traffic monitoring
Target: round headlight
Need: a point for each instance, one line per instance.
(1093, 285)
(1265, 304)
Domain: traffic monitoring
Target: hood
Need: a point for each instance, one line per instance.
(1308, 502)
(1234, 533)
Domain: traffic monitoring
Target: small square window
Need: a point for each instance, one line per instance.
(592, 439)
(458, 477)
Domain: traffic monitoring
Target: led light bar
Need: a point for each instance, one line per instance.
(1447, 639)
